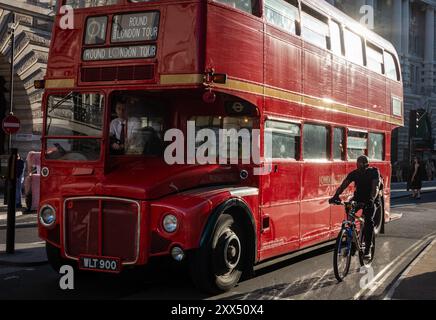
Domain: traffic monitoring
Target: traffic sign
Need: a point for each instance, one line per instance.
(11, 124)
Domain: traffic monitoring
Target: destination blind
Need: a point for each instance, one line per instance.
(143, 26)
(112, 53)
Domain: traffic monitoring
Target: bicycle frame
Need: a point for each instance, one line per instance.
(349, 226)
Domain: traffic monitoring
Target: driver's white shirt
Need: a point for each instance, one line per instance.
(133, 125)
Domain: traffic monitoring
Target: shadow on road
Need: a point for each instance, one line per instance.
(419, 287)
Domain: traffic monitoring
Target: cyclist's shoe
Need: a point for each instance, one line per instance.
(367, 255)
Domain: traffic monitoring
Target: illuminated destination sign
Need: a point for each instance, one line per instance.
(132, 52)
(143, 26)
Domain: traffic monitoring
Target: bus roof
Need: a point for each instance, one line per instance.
(350, 23)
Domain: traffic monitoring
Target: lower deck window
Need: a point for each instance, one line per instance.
(357, 144)
(376, 146)
(282, 140)
(315, 145)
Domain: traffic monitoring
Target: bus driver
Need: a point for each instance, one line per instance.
(124, 132)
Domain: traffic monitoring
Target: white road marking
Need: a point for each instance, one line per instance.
(373, 285)
(5, 216)
(11, 278)
(28, 245)
(406, 272)
(315, 284)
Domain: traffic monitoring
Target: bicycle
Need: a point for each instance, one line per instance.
(349, 241)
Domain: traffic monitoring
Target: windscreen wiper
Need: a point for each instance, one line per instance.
(61, 101)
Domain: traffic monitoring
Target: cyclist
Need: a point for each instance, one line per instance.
(367, 183)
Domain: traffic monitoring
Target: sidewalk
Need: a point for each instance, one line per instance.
(26, 254)
(22, 218)
(399, 190)
(418, 282)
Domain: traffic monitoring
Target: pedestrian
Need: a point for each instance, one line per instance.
(415, 179)
(19, 179)
(398, 171)
(429, 169)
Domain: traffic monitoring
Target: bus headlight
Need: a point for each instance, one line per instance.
(170, 223)
(47, 216)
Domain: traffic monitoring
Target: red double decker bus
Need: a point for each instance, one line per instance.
(122, 73)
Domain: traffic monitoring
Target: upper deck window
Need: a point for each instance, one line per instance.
(244, 5)
(391, 67)
(315, 28)
(80, 4)
(353, 47)
(282, 14)
(336, 37)
(374, 57)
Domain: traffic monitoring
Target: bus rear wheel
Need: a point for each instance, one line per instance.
(218, 266)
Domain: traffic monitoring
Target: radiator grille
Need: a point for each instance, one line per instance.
(102, 227)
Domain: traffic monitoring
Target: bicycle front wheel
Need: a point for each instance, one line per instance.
(342, 255)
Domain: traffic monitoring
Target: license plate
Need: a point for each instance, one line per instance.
(101, 264)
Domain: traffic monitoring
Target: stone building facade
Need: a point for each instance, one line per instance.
(32, 42)
(410, 26)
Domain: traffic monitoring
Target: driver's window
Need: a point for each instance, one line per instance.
(136, 127)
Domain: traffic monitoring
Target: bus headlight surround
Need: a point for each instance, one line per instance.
(170, 223)
(47, 215)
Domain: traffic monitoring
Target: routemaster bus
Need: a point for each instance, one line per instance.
(123, 73)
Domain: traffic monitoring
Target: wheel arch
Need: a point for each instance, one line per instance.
(241, 212)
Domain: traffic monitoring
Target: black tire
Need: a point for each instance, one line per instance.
(379, 218)
(54, 257)
(342, 266)
(218, 265)
(367, 262)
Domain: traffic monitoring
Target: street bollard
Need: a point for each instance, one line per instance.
(11, 191)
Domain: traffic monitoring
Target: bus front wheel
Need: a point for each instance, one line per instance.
(54, 257)
(218, 266)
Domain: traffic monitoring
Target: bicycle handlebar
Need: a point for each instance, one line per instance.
(356, 205)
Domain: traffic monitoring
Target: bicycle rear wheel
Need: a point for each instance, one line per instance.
(342, 255)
